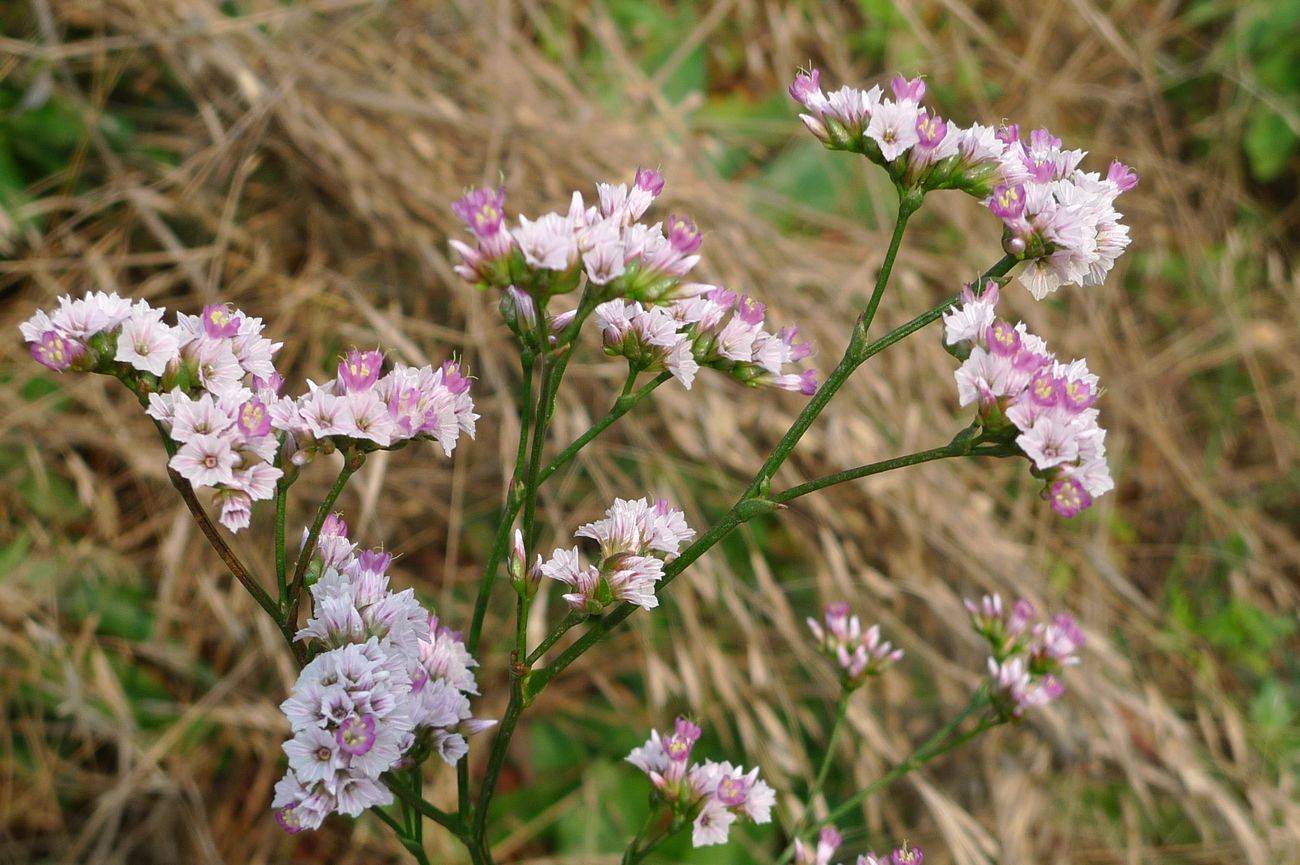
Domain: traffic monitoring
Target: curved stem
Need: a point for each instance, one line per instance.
(228, 557)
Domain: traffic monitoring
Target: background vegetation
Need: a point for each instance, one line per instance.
(298, 159)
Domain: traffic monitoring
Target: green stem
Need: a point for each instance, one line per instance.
(625, 403)
(451, 822)
(571, 620)
(949, 450)
(513, 498)
(841, 711)
(352, 461)
(751, 504)
(281, 568)
(934, 747)
(634, 853)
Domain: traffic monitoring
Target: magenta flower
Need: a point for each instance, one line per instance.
(356, 735)
(55, 351)
(1008, 202)
(359, 370)
(650, 180)
(221, 321)
(907, 89)
(483, 210)
(253, 420)
(1068, 497)
(682, 234)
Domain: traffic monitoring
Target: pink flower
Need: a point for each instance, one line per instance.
(146, 343)
(253, 420)
(205, 461)
(859, 654)
(548, 242)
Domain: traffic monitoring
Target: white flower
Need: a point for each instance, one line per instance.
(893, 127)
(205, 461)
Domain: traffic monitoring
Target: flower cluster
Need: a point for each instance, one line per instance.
(710, 795)
(829, 840)
(1028, 654)
(715, 328)
(636, 538)
(905, 855)
(648, 313)
(1062, 221)
(1024, 393)
(375, 411)
(209, 381)
(388, 686)
(859, 654)
(605, 242)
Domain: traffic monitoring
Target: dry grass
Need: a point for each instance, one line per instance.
(316, 148)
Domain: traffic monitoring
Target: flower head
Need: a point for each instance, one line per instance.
(859, 654)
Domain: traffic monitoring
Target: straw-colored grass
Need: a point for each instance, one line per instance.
(311, 150)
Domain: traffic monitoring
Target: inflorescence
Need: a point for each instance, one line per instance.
(1027, 654)
(635, 539)
(388, 687)
(709, 795)
(1026, 396)
(647, 312)
(1059, 220)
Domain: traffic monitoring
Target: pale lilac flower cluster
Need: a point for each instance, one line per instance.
(1021, 389)
(920, 149)
(715, 328)
(1062, 221)
(636, 538)
(209, 380)
(859, 654)
(727, 333)
(1028, 653)
(905, 855)
(606, 242)
(649, 313)
(377, 411)
(389, 686)
(711, 795)
(829, 840)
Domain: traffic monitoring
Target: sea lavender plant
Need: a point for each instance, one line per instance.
(384, 684)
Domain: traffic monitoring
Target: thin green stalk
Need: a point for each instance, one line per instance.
(281, 568)
(625, 403)
(633, 853)
(934, 747)
(571, 620)
(352, 461)
(841, 711)
(751, 504)
(513, 499)
(939, 453)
